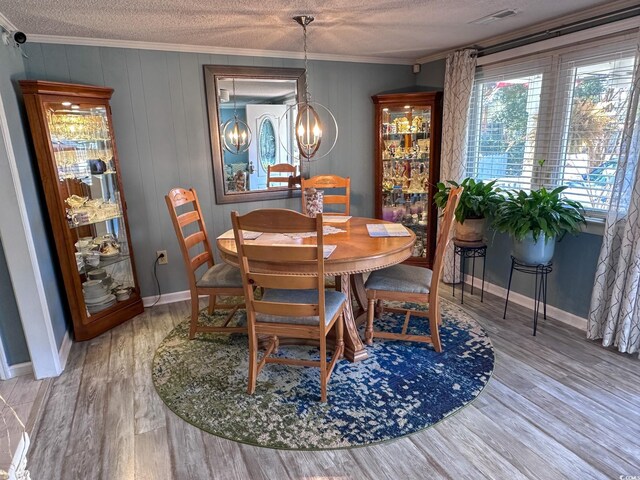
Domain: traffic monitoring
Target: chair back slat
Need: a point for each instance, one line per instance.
(188, 218)
(251, 254)
(274, 174)
(179, 197)
(194, 239)
(272, 280)
(284, 253)
(200, 259)
(444, 236)
(322, 182)
(286, 309)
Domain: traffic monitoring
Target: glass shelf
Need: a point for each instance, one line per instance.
(114, 217)
(105, 262)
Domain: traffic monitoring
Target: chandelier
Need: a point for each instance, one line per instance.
(309, 128)
(236, 134)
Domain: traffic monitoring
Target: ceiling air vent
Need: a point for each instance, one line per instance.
(494, 17)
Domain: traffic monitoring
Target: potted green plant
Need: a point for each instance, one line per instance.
(535, 220)
(479, 200)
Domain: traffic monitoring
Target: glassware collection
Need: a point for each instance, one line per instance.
(84, 159)
(405, 134)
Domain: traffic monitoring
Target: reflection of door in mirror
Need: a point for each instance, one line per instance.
(265, 150)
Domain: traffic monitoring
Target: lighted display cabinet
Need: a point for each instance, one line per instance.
(78, 162)
(407, 165)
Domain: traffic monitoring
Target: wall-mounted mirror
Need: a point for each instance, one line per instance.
(265, 100)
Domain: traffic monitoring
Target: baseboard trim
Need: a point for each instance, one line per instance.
(65, 348)
(525, 301)
(165, 298)
(20, 369)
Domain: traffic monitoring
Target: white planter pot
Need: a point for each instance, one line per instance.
(472, 230)
(534, 252)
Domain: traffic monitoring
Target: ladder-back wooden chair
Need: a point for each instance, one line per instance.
(327, 182)
(279, 174)
(407, 283)
(219, 279)
(292, 306)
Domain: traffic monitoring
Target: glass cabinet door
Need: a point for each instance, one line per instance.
(89, 188)
(406, 158)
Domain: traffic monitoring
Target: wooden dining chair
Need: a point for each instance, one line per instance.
(326, 182)
(407, 283)
(292, 306)
(275, 174)
(218, 279)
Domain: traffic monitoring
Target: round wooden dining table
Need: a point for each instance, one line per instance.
(356, 252)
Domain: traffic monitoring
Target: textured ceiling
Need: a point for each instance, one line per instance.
(400, 29)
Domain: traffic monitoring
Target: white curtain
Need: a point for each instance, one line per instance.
(614, 315)
(458, 83)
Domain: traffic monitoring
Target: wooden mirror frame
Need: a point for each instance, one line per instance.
(211, 74)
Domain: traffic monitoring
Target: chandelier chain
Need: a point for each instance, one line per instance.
(307, 83)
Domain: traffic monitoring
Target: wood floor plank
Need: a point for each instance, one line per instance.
(117, 456)
(575, 438)
(121, 363)
(225, 458)
(187, 461)
(149, 411)
(334, 464)
(25, 390)
(151, 452)
(263, 463)
(51, 438)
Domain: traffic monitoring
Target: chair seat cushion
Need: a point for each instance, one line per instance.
(333, 301)
(221, 275)
(400, 278)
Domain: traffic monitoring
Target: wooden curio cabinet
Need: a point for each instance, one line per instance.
(73, 137)
(407, 165)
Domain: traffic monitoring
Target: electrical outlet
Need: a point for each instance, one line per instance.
(162, 257)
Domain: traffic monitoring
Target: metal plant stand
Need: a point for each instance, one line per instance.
(471, 250)
(541, 271)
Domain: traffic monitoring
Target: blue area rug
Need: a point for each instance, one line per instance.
(400, 389)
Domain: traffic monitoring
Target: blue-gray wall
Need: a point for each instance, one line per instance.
(11, 333)
(575, 258)
(12, 69)
(161, 129)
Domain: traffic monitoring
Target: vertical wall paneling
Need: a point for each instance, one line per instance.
(162, 133)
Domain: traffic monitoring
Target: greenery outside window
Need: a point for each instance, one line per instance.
(553, 120)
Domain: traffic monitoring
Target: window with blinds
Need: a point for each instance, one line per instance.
(555, 120)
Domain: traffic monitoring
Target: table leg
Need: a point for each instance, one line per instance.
(354, 349)
(360, 294)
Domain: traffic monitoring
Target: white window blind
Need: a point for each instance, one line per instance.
(555, 120)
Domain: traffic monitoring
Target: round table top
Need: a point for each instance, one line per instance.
(355, 252)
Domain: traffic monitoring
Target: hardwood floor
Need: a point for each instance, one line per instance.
(25, 395)
(558, 406)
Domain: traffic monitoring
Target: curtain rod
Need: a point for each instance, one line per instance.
(603, 19)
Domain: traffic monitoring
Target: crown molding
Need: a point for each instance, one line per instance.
(244, 52)
(6, 23)
(609, 7)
